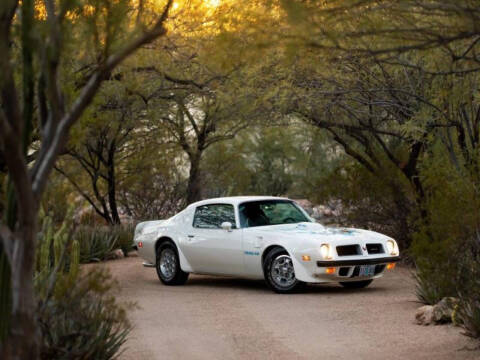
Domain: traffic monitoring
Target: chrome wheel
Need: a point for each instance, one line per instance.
(282, 272)
(168, 263)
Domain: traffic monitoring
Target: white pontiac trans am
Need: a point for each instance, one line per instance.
(262, 237)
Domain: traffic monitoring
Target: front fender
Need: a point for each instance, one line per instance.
(303, 270)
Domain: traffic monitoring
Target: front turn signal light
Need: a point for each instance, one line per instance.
(306, 258)
(330, 270)
(391, 266)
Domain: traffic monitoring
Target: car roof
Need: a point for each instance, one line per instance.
(235, 200)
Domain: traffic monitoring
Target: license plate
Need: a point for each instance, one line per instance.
(367, 270)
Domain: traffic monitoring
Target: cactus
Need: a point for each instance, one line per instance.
(44, 253)
(74, 259)
(58, 240)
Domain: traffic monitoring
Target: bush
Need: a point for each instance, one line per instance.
(469, 290)
(96, 243)
(447, 247)
(78, 317)
(82, 320)
(124, 236)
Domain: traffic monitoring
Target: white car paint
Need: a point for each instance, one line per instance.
(240, 251)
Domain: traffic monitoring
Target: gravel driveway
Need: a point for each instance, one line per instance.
(230, 318)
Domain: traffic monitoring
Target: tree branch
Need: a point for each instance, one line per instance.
(49, 152)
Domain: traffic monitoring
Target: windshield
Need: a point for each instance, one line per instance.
(270, 212)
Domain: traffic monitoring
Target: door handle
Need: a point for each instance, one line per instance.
(191, 236)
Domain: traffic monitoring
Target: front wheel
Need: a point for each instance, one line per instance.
(279, 272)
(168, 265)
(356, 284)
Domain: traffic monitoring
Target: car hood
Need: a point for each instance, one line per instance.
(315, 231)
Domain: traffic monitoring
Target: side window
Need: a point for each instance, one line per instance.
(212, 216)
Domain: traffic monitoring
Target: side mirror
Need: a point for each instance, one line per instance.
(227, 225)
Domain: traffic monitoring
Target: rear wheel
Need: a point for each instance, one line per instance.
(356, 284)
(279, 272)
(168, 265)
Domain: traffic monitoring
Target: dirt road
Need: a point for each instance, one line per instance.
(228, 318)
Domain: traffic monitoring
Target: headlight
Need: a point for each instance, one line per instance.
(392, 247)
(326, 251)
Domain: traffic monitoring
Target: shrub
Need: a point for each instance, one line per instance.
(469, 290)
(447, 247)
(78, 316)
(452, 218)
(82, 320)
(96, 243)
(124, 236)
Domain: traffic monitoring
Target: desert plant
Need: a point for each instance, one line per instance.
(77, 315)
(124, 236)
(82, 320)
(96, 243)
(58, 253)
(468, 286)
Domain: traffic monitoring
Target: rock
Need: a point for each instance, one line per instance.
(443, 310)
(424, 315)
(118, 254)
(440, 313)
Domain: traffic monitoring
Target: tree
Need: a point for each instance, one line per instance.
(100, 147)
(56, 116)
(199, 104)
(372, 111)
(390, 29)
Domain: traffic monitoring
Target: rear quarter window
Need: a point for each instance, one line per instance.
(212, 216)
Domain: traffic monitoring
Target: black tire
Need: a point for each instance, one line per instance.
(356, 284)
(177, 276)
(273, 256)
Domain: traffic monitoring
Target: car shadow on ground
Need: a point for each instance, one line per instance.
(261, 286)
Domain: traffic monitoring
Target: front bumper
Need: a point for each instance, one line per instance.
(320, 271)
(375, 261)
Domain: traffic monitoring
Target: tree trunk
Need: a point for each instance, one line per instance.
(112, 201)
(5, 295)
(194, 191)
(23, 340)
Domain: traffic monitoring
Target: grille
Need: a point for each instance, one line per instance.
(375, 248)
(348, 250)
(343, 271)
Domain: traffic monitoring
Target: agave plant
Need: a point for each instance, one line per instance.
(96, 243)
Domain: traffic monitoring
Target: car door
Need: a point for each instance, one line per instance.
(211, 249)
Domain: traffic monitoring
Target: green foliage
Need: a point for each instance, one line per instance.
(124, 236)
(469, 289)
(447, 247)
(79, 317)
(96, 243)
(82, 320)
(55, 253)
(277, 160)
